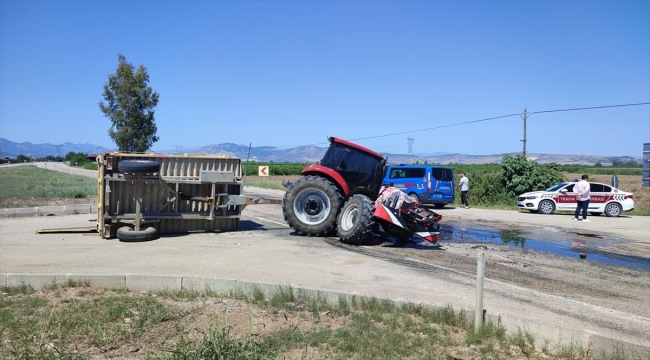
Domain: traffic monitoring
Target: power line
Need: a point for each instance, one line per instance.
(588, 108)
(435, 127)
(482, 120)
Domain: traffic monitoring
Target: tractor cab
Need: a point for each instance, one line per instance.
(353, 168)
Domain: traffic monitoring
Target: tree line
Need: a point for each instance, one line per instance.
(79, 159)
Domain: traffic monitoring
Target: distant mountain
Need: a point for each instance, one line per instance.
(432, 154)
(266, 153)
(306, 154)
(12, 149)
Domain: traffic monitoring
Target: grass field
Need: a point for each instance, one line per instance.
(25, 186)
(75, 321)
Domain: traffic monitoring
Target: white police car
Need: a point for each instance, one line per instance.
(560, 197)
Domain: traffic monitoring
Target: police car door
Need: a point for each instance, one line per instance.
(567, 200)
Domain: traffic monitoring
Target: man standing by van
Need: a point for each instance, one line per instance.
(464, 188)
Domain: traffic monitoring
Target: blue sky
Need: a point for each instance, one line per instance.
(289, 73)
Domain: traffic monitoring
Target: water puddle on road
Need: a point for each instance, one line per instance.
(546, 239)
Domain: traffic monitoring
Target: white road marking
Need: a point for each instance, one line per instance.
(273, 222)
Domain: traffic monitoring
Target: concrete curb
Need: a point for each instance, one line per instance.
(553, 338)
(71, 209)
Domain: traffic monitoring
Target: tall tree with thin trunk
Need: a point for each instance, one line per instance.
(130, 103)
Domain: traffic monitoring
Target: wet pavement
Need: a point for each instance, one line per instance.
(549, 239)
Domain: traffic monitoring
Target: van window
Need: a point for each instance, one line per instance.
(442, 174)
(406, 173)
(415, 173)
(397, 174)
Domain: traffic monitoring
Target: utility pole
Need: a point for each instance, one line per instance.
(58, 149)
(178, 148)
(524, 140)
(410, 142)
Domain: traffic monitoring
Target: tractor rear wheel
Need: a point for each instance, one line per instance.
(356, 220)
(310, 206)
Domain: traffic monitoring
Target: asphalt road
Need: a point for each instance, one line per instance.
(266, 250)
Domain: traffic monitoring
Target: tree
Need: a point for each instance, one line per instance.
(130, 103)
(520, 175)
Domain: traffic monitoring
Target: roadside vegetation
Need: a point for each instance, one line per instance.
(498, 185)
(76, 321)
(80, 160)
(492, 185)
(26, 186)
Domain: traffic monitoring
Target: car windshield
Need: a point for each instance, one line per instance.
(556, 187)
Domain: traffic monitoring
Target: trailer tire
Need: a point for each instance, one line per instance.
(127, 234)
(310, 206)
(356, 220)
(138, 166)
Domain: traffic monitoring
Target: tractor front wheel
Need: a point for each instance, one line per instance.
(356, 221)
(310, 206)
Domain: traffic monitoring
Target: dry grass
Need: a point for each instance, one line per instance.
(75, 321)
(630, 183)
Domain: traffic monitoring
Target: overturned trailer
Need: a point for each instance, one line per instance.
(143, 195)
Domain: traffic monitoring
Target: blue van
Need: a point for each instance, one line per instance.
(427, 184)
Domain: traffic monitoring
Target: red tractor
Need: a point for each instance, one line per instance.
(343, 194)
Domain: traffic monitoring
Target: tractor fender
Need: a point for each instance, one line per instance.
(336, 178)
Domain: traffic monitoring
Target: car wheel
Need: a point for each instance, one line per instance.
(138, 166)
(310, 206)
(613, 209)
(356, 222)
(546, 207)
(415, 198)
(127, 234)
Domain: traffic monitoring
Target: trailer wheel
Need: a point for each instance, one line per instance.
(356, 221)
(310, 206)
(127, 234)
(138, 166)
